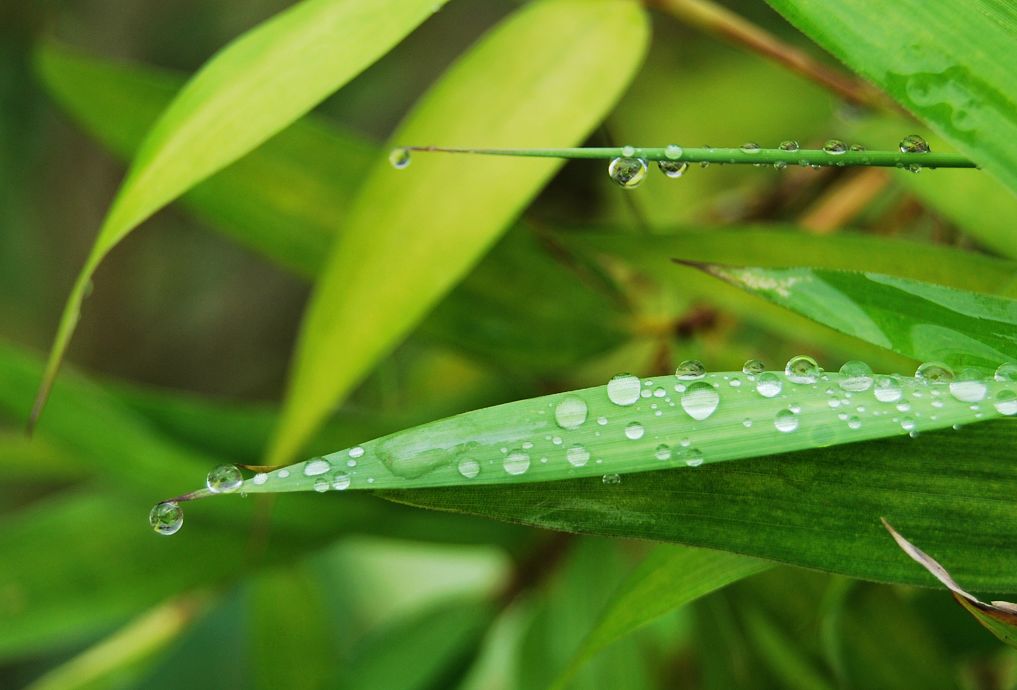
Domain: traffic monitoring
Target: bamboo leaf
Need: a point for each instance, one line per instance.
(920, 53)
(254, 87)
(518, 85)
(917, 319)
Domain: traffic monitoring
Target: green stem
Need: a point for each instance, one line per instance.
(734, 156)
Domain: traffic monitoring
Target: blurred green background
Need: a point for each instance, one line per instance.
(183, 349)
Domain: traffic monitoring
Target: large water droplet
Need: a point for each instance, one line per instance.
(887, 389)
(768, 384)
(786, 421)
(577, 455)
(969, 387)
(224, 479)
(802, 369)
(634, 431)
(1006, 373)
(628, 173)
(166, 518)
(835, 146)
(1006, 402)
(341, 481)
(469, 468)
(611, 479)
(313, 468)
(700, 400)
(516, 462)
(934, 372)
(690, 370)
(623, 389)
(399, 158)
(570, 412)
(856, 376)
(673, 151)
(788, 145)
(673, 169)
(753, 367)
(356, 452)
(913, 143)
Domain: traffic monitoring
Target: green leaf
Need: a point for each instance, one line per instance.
(251, 89)
(920, 53)
(817, 509)
(667, 579)
(548, 73)
(917, 319)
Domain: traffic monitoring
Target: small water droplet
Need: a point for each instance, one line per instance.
(663, 452)
(780, 165)
(735, 382)
(224, 479)
(750, 147)
(570, 412)
(516, 462)
(673, 169)
(786, 421)
(166, 518)
(700, 400)
(260, 478)
(886, 389)
(320, 485)
(313, 468)
(693, 457)
(399, 158)
(768, 384)
(969, 386)
(673, 151)
(341, 481)
(1006, 373)
(634, 431)
(835, 146)
(602, 421)
(856, 376)
(1006, 402)
(913, 143)
(356, 452)
(753, 367)
(611, 479)
(623, 389)
(577, 455)
(628, 173)
(907, 424)
(283, 474)
(690, 369)
(658, 392)
(788, 145)
(854, 422)
(934, 372)
(628, 151)
(469, 468)
(802, 369)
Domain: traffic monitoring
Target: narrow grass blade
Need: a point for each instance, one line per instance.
(998, 617)
(917, 319)
(518, 85)
(920, 54)
(667, 579)
(246, 93)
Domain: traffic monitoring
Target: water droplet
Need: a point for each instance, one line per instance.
(166, 518)
(753, 367)
(854, 422)
(260, 478)
(969, 387)
(907, 424)
(693, 457)
(1006, 402)
(934, 372)
(628, 151)
(570, 412)
(768, 384)
(623, 389)
(913, 143)
(673, 151)
(747, 422)
(577, 455)
(611, 479)
(786, 421)
(516, 462)
(750, 147)
(802, 369)
(634, 431)
(663, 452)
(283, 474)
(1006, 373)
(312, 468)
(735, 382)
(788, 145)
(320, 485)
(224, 479)
(690, 369)
(700, 400)
(469, 468)
(341, 481)
(399, 158)
(628, 173)
(856, 376)
(887, 389)
(356, 452)
(780, 165)
(673, 169)
(602, 421)
(835, 146)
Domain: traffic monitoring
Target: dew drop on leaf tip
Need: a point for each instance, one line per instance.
(399, 158)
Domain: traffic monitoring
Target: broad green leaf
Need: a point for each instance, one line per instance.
(998, 617)
(549, 72)
(817, 509)
(667, 579)
(921, 320)
(921, 54)
(258, 84)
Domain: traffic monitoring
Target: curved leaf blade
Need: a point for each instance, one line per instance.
(254, 87)
(518, 86)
